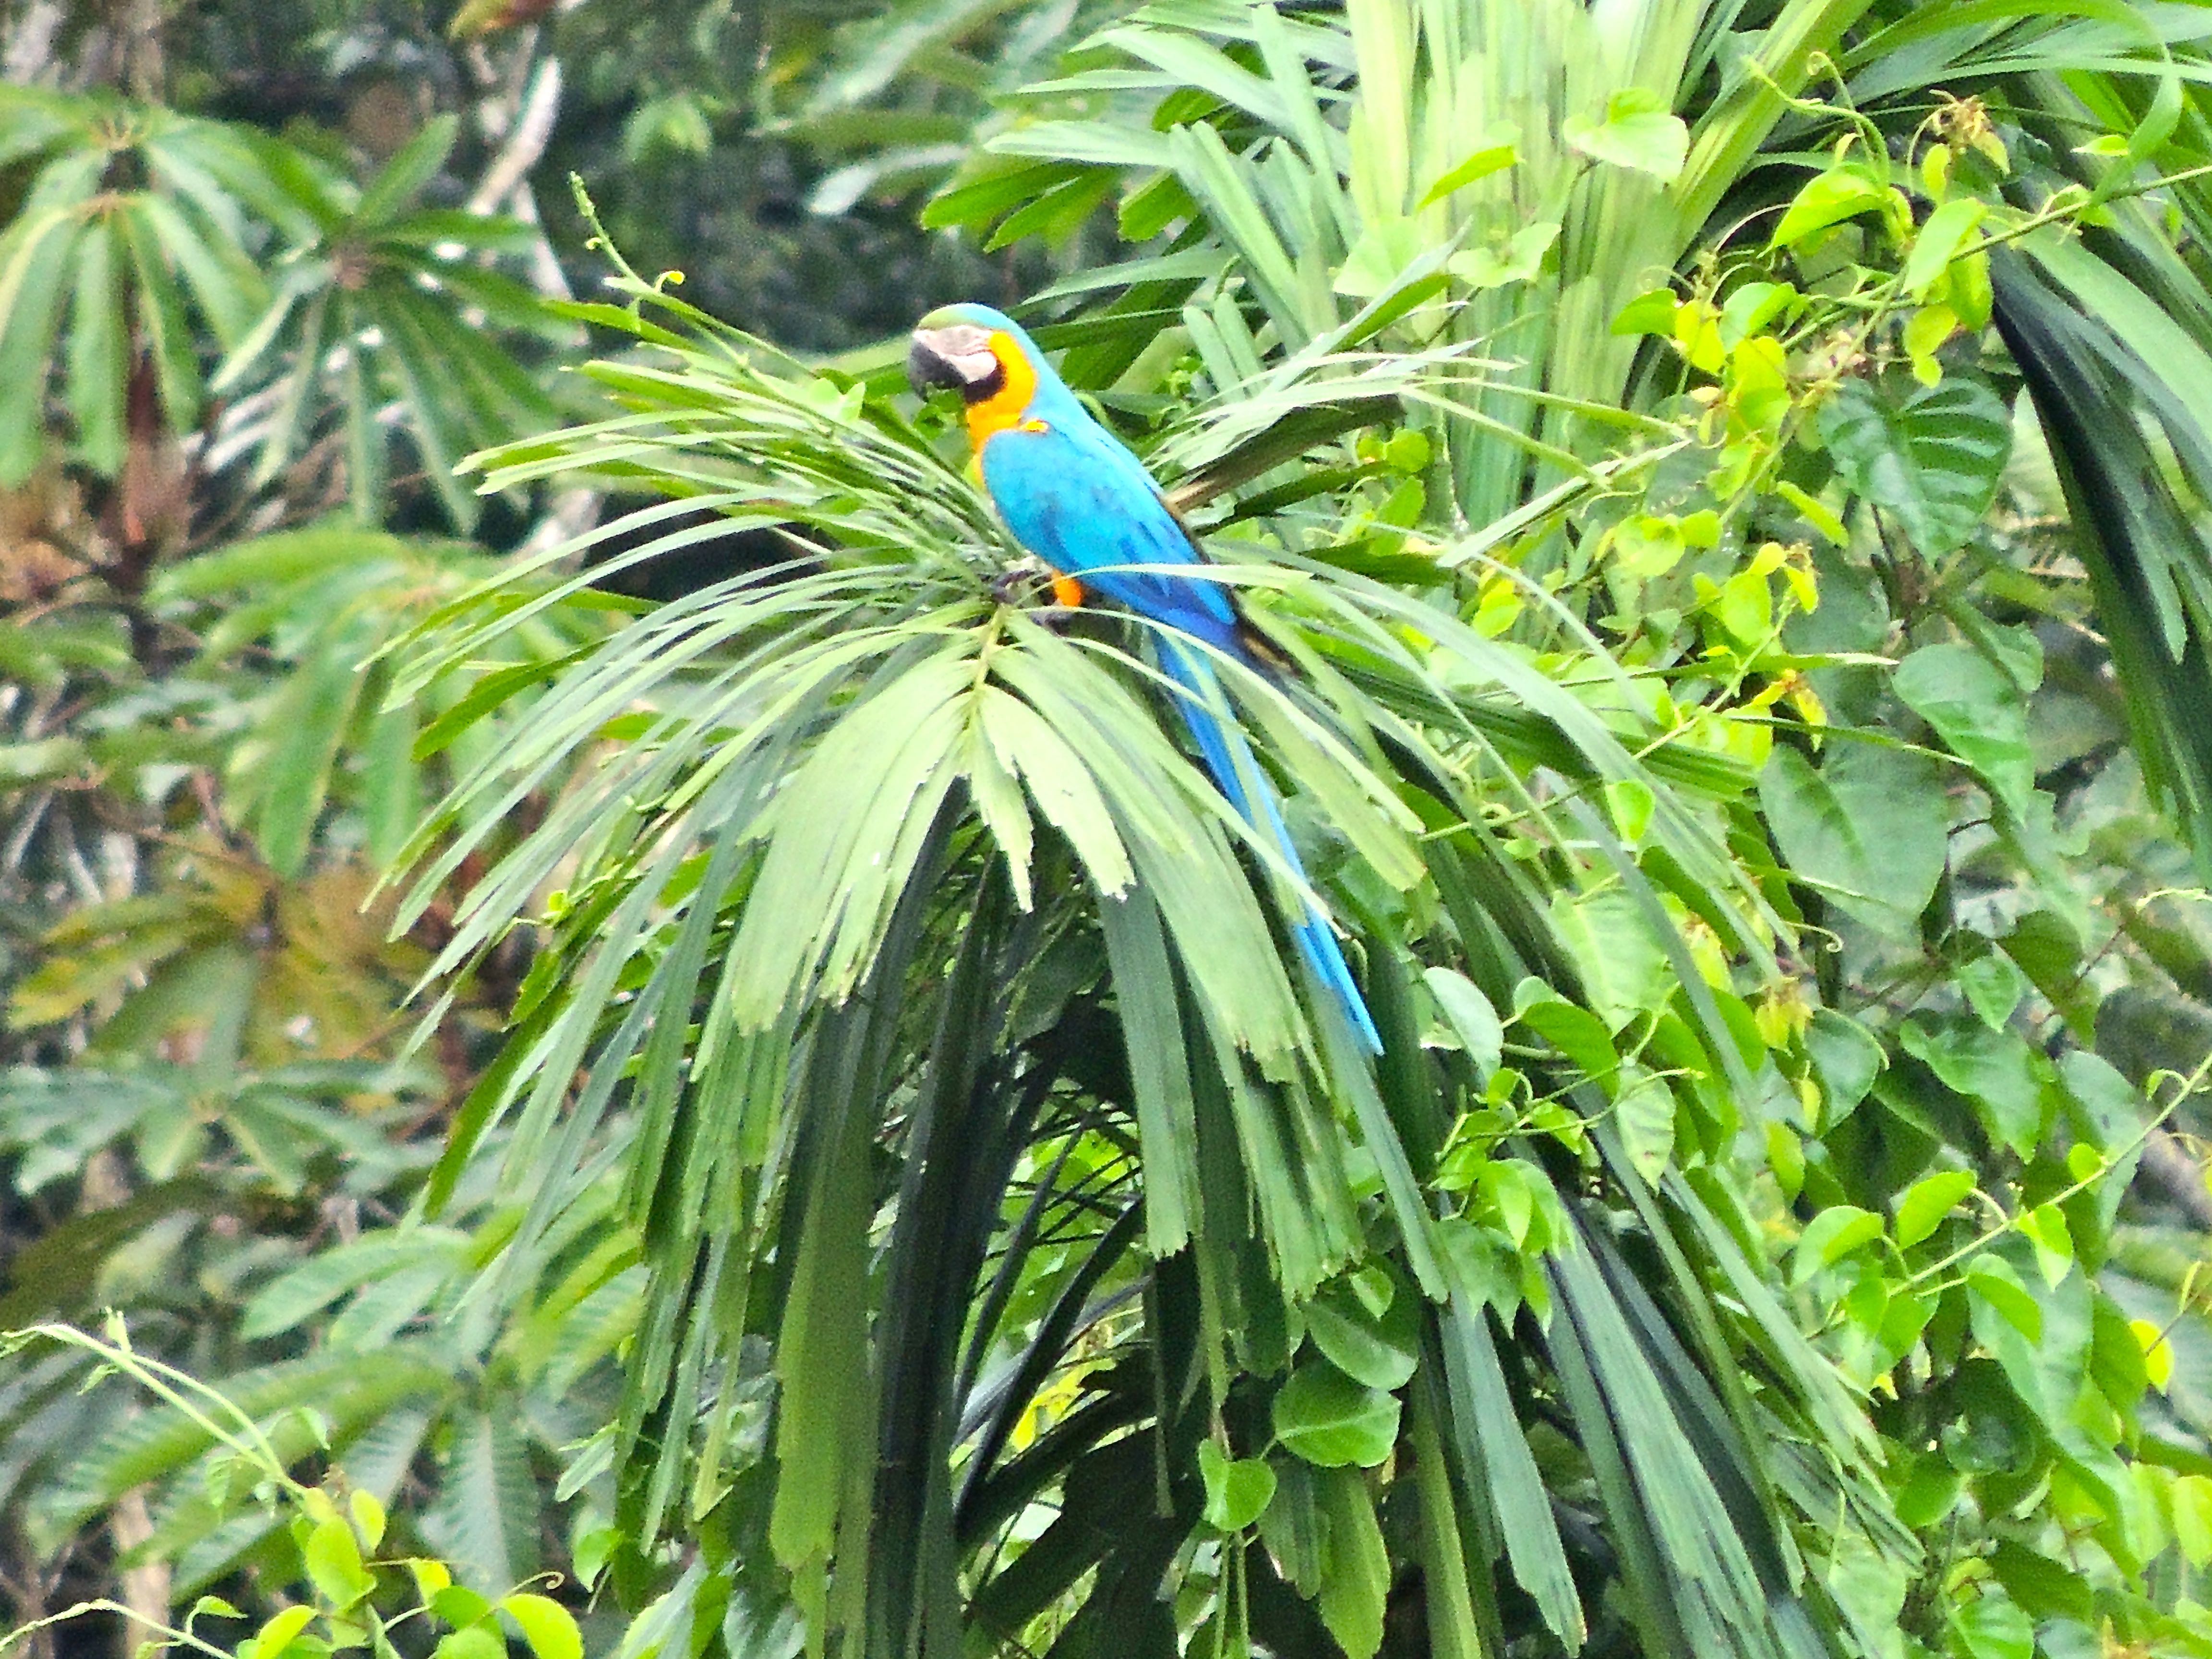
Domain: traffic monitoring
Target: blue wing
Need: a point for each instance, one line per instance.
(1082, 504)
(1088, 509)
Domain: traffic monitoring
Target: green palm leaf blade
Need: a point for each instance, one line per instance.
(34, 262)
(97, 350)
(1159, 1066)
(1514, 1511)
(2149, 569)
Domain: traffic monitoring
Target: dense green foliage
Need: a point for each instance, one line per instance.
(858, 1171)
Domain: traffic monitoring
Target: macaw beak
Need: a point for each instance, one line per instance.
(927, 367)
(956, 359)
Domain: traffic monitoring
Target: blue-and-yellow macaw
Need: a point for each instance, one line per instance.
(1083, 504)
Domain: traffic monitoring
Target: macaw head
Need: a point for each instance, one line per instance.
(997, 369)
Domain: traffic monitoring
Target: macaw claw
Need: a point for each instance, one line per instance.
(1017, 583)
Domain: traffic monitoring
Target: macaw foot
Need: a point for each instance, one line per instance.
(1016, 585)
(1057, 617)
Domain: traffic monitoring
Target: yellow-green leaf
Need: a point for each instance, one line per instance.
(1491, 158)
(333, 1559)
(280, 1632)
(1927, 1201)
(2157, 1352)
(1939, 242)
(2193, 1518)
(1827, 198)
(545, 1625)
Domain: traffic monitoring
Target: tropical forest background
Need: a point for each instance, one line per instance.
(611, 1047)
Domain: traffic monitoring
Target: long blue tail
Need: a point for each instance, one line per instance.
(1229, 758)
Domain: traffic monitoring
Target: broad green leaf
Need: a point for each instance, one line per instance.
(1379, 1350)
(1995, 1070)
(1325, 1417)
(1927, 1200)
(368, 1516)
(1930, 458)
(2045, 1227)
(1577, 1033)
(1238, 1489)
(1994, 986)
(1825, 199)
(1930, 1492)
(1508, 1186)
(1630, 802)
(1469, 1015)
(1977, 711)
(456, 1604)
(1638, 132)
(1830, 1237)
(1644, 1110)
(1847, 1057)
(1992, 1279)
(1871, 826)
(1651, 312)
(1750, 307)
(1625, 969)
(1989, 1626)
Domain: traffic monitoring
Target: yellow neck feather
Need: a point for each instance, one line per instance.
(1003, 408)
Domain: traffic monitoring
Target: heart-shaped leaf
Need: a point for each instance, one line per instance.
(1930, 458)
(1325, 1417)
(1638, 132)
(1237, 1489)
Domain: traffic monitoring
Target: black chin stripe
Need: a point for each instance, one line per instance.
(989, 386)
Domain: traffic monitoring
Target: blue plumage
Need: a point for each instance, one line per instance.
(1072, 496)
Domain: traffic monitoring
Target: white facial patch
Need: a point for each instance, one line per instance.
(965, 347)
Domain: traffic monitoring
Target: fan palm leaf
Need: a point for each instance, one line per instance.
(869, 861)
